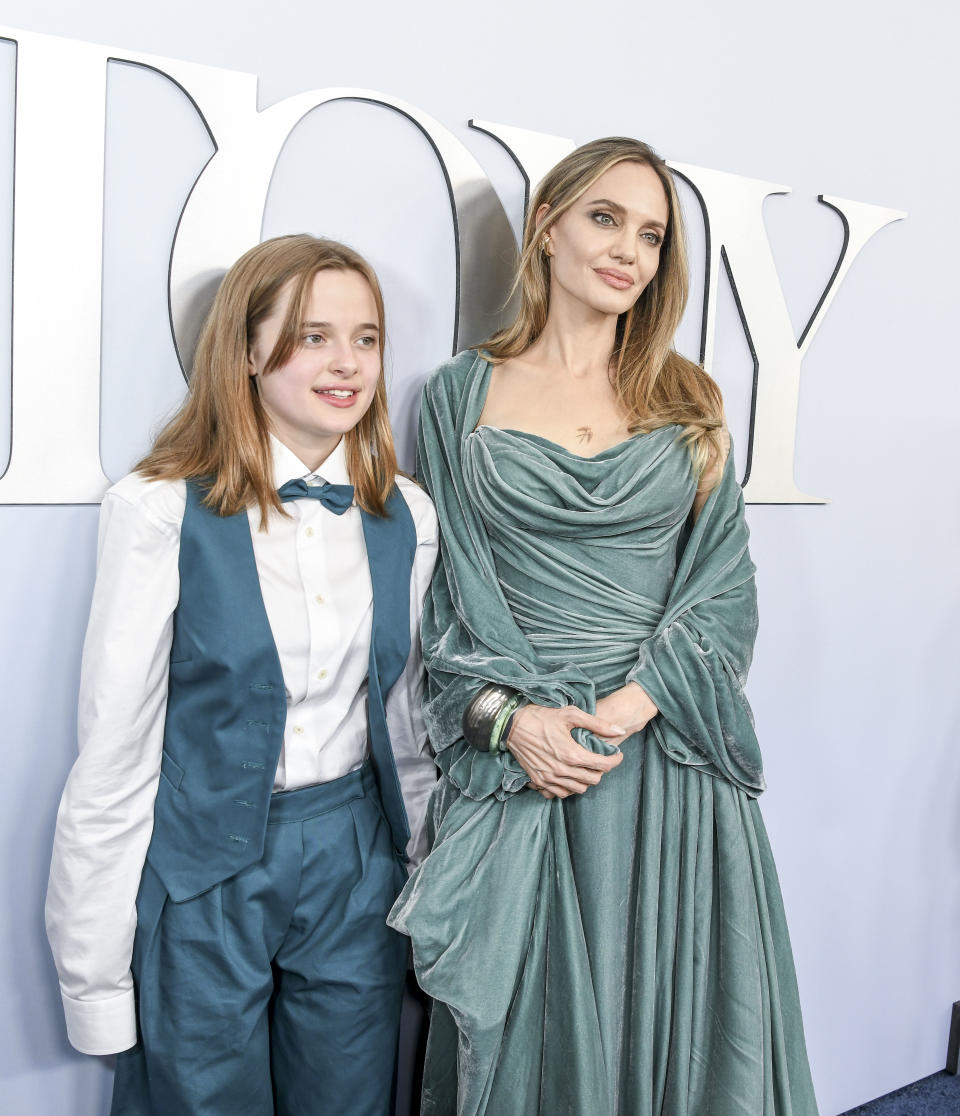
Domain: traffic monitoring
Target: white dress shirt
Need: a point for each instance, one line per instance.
(316, 588)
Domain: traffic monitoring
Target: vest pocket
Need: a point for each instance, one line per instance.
(171, 770)
(184, 669)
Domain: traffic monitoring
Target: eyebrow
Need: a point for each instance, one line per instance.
(618, 208)
(327, 325)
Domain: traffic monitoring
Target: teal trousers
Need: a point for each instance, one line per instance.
(278, 992)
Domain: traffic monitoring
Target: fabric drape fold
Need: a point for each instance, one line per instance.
(695, 664)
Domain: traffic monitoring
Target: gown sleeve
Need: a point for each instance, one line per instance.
(694, 665)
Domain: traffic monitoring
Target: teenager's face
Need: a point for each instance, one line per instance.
(328, 384)
(606, 248)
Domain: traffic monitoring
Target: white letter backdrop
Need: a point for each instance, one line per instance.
(855, 678)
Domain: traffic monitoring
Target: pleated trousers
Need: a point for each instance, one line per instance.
(277, 992)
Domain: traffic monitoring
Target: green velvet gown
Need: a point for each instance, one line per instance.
(622, 952)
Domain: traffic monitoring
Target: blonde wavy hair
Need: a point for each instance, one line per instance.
(655, 385)
(221, 432)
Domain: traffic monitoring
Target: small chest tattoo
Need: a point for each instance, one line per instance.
(584, 434)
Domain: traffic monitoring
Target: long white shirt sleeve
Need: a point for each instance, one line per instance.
(320, 619)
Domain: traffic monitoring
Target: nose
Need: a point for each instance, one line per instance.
(624, 248)
(343, 359)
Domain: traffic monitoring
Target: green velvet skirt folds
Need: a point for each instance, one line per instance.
(622, 952)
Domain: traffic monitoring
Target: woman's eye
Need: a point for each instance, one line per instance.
(653, 238)
(314, 338)
(602, 218)
(367, 342)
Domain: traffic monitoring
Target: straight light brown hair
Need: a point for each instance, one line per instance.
(221, 431)
(655, 385)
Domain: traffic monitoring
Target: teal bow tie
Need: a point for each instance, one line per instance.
(334, 497)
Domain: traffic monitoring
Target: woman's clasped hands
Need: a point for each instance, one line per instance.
(542, 740)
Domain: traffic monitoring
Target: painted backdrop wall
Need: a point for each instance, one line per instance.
(854, 683)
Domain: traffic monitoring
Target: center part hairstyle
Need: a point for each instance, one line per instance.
(655, 385)
(221, 432)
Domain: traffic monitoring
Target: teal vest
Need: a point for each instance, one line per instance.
(226, 703)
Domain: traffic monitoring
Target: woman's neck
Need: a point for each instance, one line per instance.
(576, 341)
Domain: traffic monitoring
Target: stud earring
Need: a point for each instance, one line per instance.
(545, 244)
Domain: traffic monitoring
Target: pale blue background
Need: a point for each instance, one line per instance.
(855, 677)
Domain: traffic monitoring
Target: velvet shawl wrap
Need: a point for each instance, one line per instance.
(622, 951)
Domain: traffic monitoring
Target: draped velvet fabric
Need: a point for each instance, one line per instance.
(622, 952)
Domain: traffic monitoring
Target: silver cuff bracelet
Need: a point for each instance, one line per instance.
(487, 714)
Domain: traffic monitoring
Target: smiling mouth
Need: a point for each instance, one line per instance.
(613, 278)
(338, 397)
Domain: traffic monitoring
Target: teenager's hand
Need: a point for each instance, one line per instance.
(558, 766)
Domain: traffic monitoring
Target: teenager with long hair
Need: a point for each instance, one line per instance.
(253, 769)
(599, 921)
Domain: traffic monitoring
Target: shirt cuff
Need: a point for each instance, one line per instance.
(101, 1026)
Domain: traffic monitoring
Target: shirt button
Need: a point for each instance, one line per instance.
(298, 729)
(309, 532)
(321, 674)
(318, 598)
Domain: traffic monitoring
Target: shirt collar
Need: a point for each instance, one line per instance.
(287, 466)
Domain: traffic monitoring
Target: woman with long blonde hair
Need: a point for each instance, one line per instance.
(599, 922)
(253, 770)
